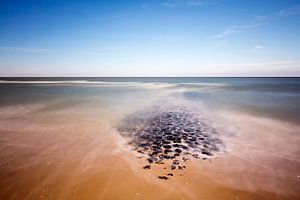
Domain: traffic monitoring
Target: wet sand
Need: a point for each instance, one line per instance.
(63, 141)
(91, 160)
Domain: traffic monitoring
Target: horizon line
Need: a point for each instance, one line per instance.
(149, 76)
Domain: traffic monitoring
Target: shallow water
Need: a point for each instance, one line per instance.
(276, 97)
(59, 137)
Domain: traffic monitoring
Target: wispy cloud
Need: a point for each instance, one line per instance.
(178, 3)
(197, 2)
(261, 17)
(21, 49)
(88, 53)
(146, 6)
(258, 64)
(220, 43)
(119, 15)
(170, 4)
(233, 30)
(257, 48)
(268, 68)
(290, 11)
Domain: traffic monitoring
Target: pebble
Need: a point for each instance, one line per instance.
(165, 132)
(163, 177)
(175, 162)
(147, 167)
(178, 150)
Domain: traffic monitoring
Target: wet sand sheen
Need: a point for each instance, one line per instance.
(91, 161)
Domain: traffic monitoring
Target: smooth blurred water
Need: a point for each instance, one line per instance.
(271, 97)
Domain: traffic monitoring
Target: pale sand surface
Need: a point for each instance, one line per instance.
(90, 160)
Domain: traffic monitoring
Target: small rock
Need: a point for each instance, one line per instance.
(178, 150)
(185, 159)
(181, 167)
(176, 162)
(163, 177)
(147, 167)
(207, 153)
(195, 155)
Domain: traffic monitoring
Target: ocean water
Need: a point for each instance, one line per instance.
(60, 137)
(270, 97)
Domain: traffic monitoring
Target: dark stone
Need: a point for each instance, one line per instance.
(181, 167)
(169, 138)
(167, 157)
(163, 177)
(178, 150)
(159, 162)
(166, 151)
(166, 142)
(185, 159)
(176, 162)
(207, 153)
(156, 135)
(184, 147)
(176, 145)
(143, 145)
(187, 130)
(147, 167)
(195, 155)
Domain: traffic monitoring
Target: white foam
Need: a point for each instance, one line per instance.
(42, 82)
(204, 84)
(145, 85)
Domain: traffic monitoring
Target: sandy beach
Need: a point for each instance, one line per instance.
(149, 100)
(75, 151)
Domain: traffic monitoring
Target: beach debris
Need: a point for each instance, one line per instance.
(174, 134)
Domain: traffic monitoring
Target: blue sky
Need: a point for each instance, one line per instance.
(150, 38)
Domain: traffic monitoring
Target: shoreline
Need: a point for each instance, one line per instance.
(73, 151)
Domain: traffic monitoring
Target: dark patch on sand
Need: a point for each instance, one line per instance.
(171, 137)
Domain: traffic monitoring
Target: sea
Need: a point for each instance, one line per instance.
(270, 97)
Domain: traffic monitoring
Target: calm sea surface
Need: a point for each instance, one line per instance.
(270, 97)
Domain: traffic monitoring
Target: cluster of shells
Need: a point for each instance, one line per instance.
(175, 135)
